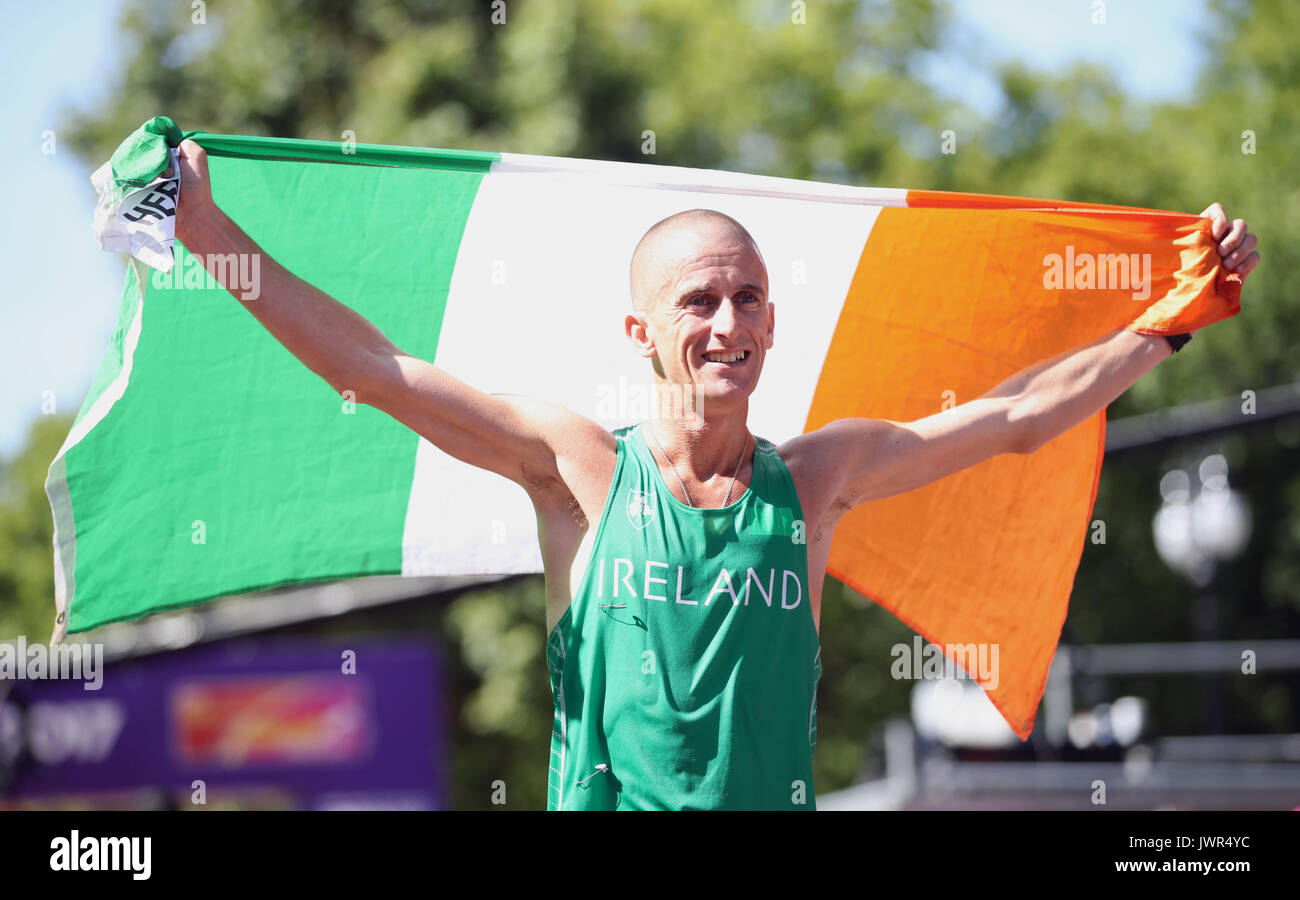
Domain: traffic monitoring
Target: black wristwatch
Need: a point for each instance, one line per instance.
(1177, 340)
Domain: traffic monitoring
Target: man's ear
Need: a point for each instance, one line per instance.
(638, 332)
(771, 324)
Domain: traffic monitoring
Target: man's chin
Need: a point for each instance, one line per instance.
(725, 391)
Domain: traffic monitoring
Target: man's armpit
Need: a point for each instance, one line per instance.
(549, 491)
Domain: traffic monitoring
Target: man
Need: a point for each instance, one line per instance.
(682, 611)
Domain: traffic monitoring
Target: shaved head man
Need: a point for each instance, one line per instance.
(684, 555)
(701, 314)
(681, 271)
(669, 241)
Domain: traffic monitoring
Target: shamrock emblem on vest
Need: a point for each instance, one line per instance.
(640, 508)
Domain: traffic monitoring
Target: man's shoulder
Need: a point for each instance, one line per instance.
(568, 433)
(827, 443)
(809, 452)
(819, 461)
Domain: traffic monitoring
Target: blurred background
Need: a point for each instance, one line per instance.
(1177, 683)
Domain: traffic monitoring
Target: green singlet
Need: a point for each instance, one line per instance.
(685, 670)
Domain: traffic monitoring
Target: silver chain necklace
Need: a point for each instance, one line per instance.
(678, 476)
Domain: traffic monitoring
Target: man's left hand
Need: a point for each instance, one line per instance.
(1236, 243)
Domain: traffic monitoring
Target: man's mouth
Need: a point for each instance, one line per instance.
(727, 357)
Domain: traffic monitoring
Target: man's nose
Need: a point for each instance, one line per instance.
(724, 320)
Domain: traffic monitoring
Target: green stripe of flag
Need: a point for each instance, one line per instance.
(221, 434)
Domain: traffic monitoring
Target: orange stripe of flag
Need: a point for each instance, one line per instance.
(950, 296)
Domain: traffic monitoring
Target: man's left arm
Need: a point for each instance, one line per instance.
(868, 459)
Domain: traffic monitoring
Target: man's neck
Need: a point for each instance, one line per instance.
(702, 448)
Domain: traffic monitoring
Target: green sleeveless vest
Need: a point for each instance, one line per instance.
(685, 670)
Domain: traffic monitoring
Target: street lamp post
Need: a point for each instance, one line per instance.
(1202, 523)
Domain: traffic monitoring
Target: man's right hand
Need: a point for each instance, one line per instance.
(196, 202)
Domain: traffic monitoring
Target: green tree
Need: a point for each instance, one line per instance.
(734, 86)
(27, 534)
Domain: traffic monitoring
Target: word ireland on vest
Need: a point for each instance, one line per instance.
(773, 588)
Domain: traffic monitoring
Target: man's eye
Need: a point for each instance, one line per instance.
(699, 299)
(748, 296)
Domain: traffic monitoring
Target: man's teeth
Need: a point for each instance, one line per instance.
(726, 357)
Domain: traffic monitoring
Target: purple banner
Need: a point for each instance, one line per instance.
(248, 723)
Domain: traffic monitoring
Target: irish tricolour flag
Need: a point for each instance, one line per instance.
(207, 461)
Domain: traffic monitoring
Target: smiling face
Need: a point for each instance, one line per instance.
(702, 314)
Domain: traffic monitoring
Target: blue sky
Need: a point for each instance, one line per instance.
(56, 54)
(1152, 46)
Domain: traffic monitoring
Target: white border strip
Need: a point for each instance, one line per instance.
(56, 483)
(714, 181)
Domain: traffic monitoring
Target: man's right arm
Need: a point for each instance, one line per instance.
(512, 436)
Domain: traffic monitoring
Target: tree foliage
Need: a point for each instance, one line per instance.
(27, 533)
